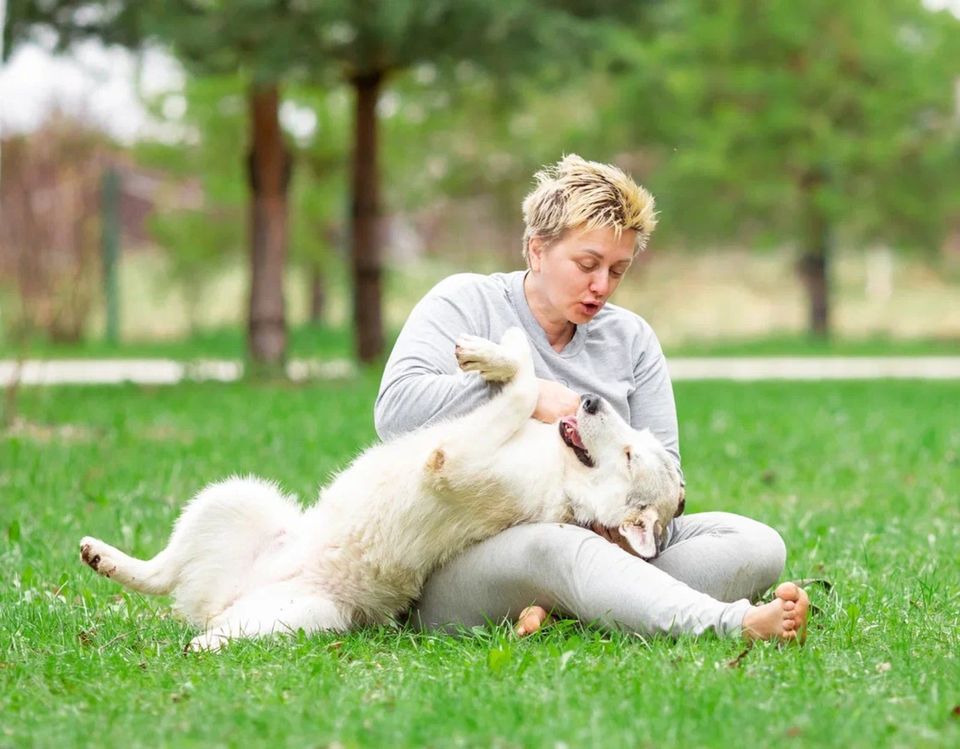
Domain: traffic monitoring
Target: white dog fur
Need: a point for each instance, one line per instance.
(244, 560)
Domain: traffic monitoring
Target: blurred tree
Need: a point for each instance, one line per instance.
(800, 122)
(50, 202)
(195, 241)
(267, 42)
(467, 143)
(372, 40)
(368, 41)
(202, 124)
(207, 119)
(320, 215)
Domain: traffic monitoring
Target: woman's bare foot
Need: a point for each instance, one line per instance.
(530, 620)
(784, 618)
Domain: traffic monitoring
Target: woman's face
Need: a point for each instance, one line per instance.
(577, 274)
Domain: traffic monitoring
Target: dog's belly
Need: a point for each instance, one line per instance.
(370, 593)
(394, 516)
(376, 570)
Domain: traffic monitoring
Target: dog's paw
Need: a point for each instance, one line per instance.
(490, 360)
(208, 642)
(93, 553)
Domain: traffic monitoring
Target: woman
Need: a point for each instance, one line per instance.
(585, 222)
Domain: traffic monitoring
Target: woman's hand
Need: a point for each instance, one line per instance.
(555, 401)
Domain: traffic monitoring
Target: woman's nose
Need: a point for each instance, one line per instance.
(600, 283)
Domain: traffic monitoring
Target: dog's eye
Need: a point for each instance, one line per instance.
(626, 451)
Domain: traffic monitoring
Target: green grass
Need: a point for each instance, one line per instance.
(860, 478)
(803, 345)
(215, 343)
(310, 341)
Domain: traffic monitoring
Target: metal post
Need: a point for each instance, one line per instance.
(110, 239)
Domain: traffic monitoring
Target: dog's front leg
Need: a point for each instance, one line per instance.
(511, 363)
(482, 432)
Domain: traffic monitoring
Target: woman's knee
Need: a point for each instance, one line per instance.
(769, 555)
(750, 556)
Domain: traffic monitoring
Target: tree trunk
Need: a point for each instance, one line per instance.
(814, 263)
(365, 214)
(813, 269)
(318, 294)
(269, 167)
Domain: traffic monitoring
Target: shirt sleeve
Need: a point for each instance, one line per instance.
(652, 405)
(422, 383)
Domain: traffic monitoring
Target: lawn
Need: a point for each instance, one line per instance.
(860, 478)
(326, 342)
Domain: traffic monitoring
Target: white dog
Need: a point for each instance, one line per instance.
(244, 560)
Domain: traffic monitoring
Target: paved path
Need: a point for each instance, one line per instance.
(168, 371)
(152, 371)
(816, 368)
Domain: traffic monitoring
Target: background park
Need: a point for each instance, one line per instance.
(298, 174)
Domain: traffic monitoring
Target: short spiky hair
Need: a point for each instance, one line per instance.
(575, 192)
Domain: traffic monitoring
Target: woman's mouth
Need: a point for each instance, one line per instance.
(590, 308)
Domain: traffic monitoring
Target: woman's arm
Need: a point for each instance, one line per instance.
(652, 405)
(421, 382)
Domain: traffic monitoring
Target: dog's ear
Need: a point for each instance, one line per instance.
(682, 503)
(641, 539)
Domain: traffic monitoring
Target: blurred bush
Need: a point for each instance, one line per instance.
(49, 228)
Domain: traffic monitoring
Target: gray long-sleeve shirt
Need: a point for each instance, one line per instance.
(615, 355)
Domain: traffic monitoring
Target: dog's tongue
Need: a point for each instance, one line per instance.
(569, 426)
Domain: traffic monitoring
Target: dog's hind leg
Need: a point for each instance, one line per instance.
(215, 546)
(281, 608)
(156, 576)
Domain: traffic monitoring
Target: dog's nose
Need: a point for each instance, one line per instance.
(590, 403)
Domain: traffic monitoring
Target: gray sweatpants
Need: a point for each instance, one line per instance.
(710, 568)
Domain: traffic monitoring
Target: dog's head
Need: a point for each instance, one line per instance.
(624, 478)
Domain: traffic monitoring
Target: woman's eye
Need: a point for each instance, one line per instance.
(587, 268)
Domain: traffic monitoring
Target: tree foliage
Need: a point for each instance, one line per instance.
(372, 40)
(802, 124)
(760, 99)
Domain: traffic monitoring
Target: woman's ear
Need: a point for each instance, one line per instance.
(534, 252)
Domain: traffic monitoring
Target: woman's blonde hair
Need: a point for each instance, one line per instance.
(575, 193)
